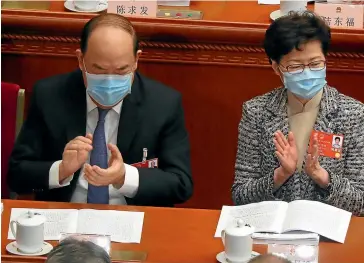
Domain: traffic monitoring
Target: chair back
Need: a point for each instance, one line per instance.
(12, 114)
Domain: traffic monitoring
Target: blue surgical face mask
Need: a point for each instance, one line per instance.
(306, 84)
(107, 90)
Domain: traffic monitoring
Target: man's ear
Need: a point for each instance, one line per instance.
(80, 59)
(137, 56)
(81, 65)
(275, 67)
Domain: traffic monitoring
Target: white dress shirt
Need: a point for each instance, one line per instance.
(131, 183)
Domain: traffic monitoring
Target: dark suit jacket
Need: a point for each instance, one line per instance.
(151, 117)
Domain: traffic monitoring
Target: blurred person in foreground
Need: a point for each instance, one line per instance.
(269, 258)
(274, 160)
(75, 251)
(86, 130)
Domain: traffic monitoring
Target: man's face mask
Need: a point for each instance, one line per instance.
(108, 89)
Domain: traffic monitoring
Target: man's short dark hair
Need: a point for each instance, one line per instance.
(75, 251)
(269, 258)
(337, 138)
(112, 20)
(291, 31)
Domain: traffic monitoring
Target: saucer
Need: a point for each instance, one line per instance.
(275, 14)
(222, 259)
(68, 4)
(46, 248)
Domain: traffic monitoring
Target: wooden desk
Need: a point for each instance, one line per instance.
(216, 63)
(185, 235)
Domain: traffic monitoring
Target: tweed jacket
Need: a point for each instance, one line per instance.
(256, 160)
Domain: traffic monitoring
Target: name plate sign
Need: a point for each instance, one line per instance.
(341, 15)
(135, 8)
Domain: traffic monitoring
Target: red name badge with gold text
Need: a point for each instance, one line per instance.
(152, 163)
(329, 145)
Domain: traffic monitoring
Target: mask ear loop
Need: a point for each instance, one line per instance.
(280, 76)
(133, 69)
(84, 65)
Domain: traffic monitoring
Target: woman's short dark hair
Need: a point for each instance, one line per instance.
(291, 31)
(108, 19)
(337, 138)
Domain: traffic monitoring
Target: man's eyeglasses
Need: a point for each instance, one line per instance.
(299, 68)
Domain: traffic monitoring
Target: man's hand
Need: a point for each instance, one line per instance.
(286, 151)
(75, 154)
(313, 169)
(114, 175)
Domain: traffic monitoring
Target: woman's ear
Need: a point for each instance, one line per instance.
(275, 67)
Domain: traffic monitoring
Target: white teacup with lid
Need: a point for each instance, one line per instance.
(86, 5)
(238, 242)
(287, 6)
(28, 230)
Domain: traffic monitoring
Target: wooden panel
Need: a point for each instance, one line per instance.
(215, 65)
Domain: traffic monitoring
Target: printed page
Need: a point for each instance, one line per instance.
(268, 2)
(317, 217)
(265, 216)
(122, 226)
(58, 221)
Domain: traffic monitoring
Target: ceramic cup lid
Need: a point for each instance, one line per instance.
(239, 229)
(31, 219)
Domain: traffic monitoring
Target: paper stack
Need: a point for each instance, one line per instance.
(285, 239)
(282, 218)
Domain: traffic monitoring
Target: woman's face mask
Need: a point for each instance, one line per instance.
(304, 80)
(305, 84)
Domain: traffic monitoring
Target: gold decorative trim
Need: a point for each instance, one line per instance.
(201, 46)
(40, 38)
(169, 52)
(143, 44)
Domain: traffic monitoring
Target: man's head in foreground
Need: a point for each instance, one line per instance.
(75, 251)
(269, 258)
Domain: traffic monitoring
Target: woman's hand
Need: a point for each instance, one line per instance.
(313, 169)
(286, 151)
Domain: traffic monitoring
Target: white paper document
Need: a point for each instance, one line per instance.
(282, 217)
(122, 226)
(174, 2)
(269, 2)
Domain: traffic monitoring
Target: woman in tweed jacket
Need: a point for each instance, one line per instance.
(274, 160)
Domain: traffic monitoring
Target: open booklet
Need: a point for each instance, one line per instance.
(281, 217)
(122, 226)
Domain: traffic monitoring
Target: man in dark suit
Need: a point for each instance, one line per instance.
(85, 129)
